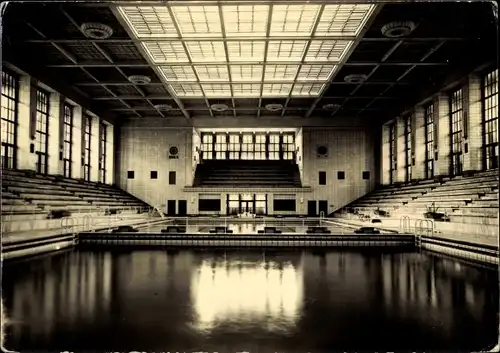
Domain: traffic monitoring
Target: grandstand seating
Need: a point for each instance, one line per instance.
(466, 200)
(27, 196)
(247, 173)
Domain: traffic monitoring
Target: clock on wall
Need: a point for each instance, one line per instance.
(173, 152)
(322, 151)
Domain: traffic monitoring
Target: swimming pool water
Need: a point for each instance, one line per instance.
(248, 300)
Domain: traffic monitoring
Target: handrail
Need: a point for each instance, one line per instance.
(429, 227)
(68, 223)
(405, 224)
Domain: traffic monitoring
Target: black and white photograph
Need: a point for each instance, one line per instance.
(249, 176)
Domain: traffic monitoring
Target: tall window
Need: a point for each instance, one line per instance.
(247, 147)
(234, 146)
(207, 146)
(102, 160)
(288, 147)
(9, 119)
(429, 141)
(392, 153)
(457, 105)
(87, 136)
(260, 146)
(42, 131)
(407, 122)
(274, 146)
(490, 119)
(220, 146)
(68, 139)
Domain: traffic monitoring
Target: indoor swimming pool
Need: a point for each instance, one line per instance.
(251, 300)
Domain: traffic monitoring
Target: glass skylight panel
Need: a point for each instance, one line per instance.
(245, 20)
(293, 20)
(343, 19)
(315, 72)
(327, 50)
(246, 72)
(276, 89)
(178, 73)
(216, 89)
(286, 50)
(212, 72)
(201, 51)
(163, 52)
(280, 72)
(246, 89)
(246, 51)
(187, 89)
(149, 21)
(198, 20)
(307, 89)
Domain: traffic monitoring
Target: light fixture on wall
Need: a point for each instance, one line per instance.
(192, 199)
(301, 200)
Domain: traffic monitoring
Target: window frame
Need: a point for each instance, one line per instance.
(11, 94)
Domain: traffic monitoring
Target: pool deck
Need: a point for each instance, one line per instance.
(480, 239)
(337, 226)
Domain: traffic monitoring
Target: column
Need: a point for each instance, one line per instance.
(110, 155)
(77, 152)
(442, 140)
(473, 111)
(401, 150)
(418, 148)
(94, 149)
(25, 159)
(54, 164)
(385, 163)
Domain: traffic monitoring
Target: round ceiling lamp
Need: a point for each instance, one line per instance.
(331, 107)
(163, 107)
(398, 29)
(139, 79)
(219, 107)
(355, 78)
(96, 30)
(274, 107)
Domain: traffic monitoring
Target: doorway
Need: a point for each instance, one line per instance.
(311, 208)
(323, 207)
(247, 206)
(182, 208)
(171, 208)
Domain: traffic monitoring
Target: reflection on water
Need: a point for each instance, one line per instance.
(233, 301)
(227, 291)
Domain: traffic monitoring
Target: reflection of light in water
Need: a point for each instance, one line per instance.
(246, 293)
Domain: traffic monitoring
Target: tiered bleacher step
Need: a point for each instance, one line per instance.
(469, 203)
(30, 201)
(248, 173)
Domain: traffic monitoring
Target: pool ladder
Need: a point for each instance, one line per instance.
(421, 227)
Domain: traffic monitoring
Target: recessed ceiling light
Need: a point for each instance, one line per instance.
(331, 107)
(274, 107)
(219, 107)
(398, 29)
(355, 78)
(163, 107)
(96, 30)
(139, 79)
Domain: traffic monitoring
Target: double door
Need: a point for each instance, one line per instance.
(247, 206)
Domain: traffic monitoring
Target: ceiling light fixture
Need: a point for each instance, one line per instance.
(96, 30)
(331, 107)
(139, 79)
(274, 107)
(398, 29)
(163, 107)
(219, 107)
(355, 78)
